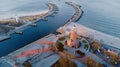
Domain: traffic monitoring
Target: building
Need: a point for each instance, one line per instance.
(16, 18)
(72, 39)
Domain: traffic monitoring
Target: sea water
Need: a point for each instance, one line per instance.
(31, 34)
(101, 15)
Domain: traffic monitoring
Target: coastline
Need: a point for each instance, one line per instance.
(30, 51)
(27, 23)
(104, 38)
(52, 34)
(100, 36)
(27, 17)
(8, 59)
(25, 14)
(31, 44)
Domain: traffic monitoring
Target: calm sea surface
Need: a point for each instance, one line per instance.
(43, 28)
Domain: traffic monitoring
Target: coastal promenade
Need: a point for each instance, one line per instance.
(28, 20)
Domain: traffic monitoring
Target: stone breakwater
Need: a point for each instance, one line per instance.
(74, 18)
(76, 15)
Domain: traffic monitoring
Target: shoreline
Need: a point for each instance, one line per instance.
(25, 14)
(31, 52)
(47, 36)
(103, 37)
(108, 40)
(29, 46)
(28, 23)
(26, 17)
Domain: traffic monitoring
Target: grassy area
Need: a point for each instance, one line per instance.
(92, 63)
(79, 38)
(26, 64)
(84, 41)
(60, 46)
(95, 45)
(64, 62)
(62, 38)
(86, 46)
(80, 53)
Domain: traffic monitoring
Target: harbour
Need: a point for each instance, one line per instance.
(66, 41)
(37, 31)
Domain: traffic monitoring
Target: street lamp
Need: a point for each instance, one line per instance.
(115, 62)
(108, 57)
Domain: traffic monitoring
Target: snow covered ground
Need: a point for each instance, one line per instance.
(9, 8)
(7, 16)
(37, 52)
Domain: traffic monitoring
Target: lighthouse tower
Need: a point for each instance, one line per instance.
(73, 41)
(16, 18)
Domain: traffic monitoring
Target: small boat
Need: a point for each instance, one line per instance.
(34, 25)
(45, 19)
(53, 15)
(19, 32)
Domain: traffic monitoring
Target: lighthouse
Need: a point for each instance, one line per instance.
(16, 18)
(73, 41)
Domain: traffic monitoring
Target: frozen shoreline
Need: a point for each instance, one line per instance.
(8, 16)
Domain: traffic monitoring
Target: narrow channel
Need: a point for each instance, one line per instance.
(43, 28)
